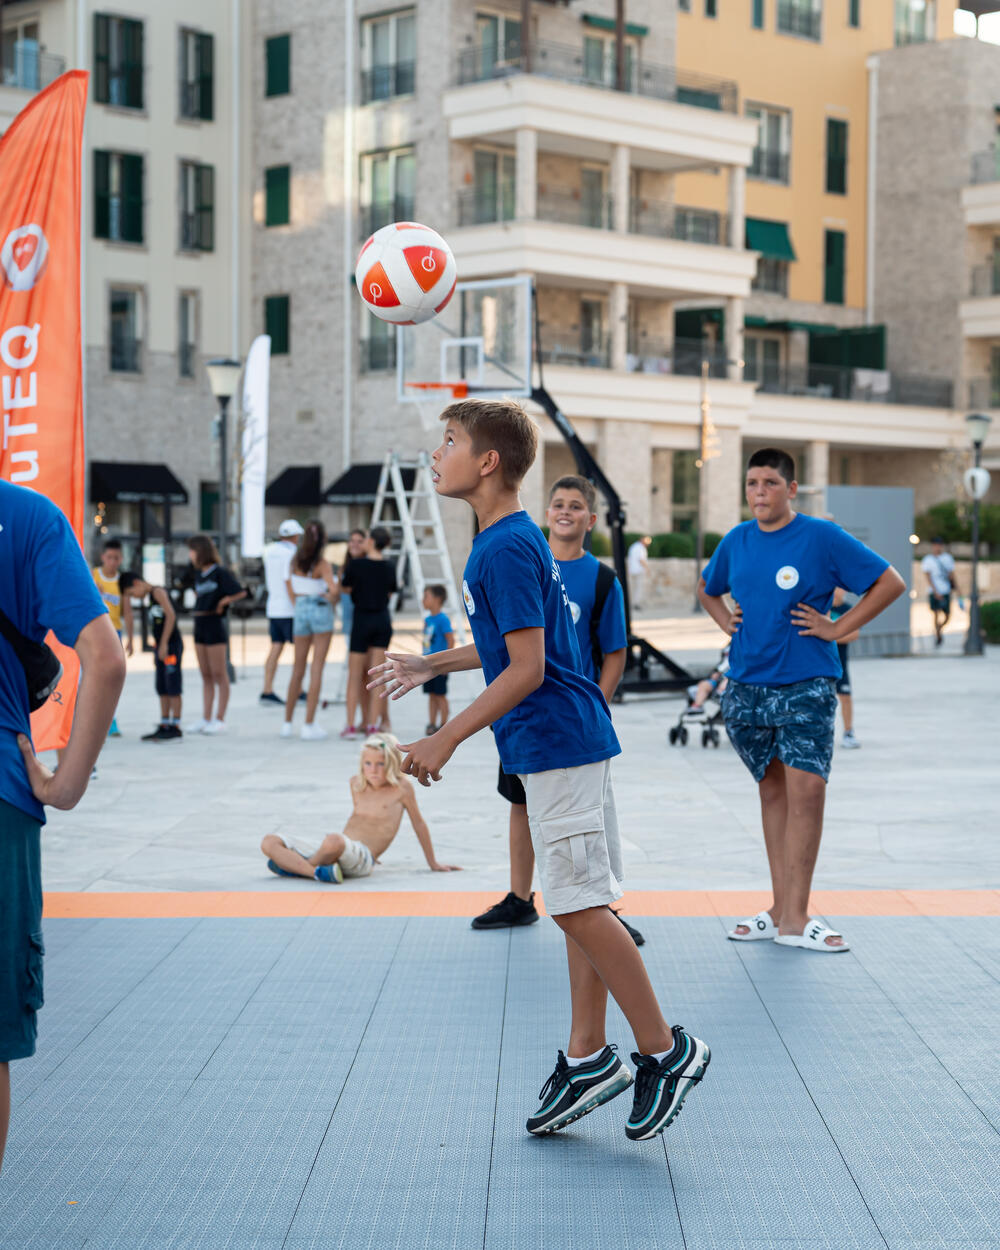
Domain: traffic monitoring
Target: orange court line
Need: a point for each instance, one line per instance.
(62, 905)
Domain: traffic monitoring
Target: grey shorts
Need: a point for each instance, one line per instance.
(313, 615)
(356, 861)
(574, 832)
(794, 724)
(21, 948)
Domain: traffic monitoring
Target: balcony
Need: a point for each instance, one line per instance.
(769, 166)
(984, 393)
(980, 314)
(671, 221)
(985, 281)
(385, 81)
(578, 351)
(682, 357)
(383, 212)
(28, 69)
(865, 386)
(986, 166)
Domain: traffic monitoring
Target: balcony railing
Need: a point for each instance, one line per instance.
(872, 386)
(26, 67)
(377, 355)
(769, 166)
(186, 358)
(569, 348)
(572, 207)
(566, 63)
(126, 354)
(986, 166)
(799, 19)
(671, 221)
(984, 393)
(385, 81)
(682, 357)
(985, 280)
(375, 216)
(479, 208)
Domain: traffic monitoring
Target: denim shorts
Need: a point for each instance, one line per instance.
(313, 615)
(21, 948)
(794, 724)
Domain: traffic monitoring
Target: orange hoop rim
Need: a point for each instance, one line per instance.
(459, 390)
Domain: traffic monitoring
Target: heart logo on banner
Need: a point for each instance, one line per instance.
(24, 250)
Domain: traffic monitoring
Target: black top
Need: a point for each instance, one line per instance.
(211, 585)
(370, 582)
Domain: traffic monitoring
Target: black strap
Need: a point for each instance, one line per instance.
(10, 631)
(606, 578)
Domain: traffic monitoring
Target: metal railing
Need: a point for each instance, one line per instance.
(377, 355)
(375, 216)
(126, 354)
(770, 166)
(799, 19)
(985, 280)
(984, 393)
(986, 166)
(566, 63)
(573, 348)
(682, 357)
(570, 206)
(382, 82)
(673, 221)
(872, 386)
(26, 67)
(476, 208)
(186, 357)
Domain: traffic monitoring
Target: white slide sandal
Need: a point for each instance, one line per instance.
(762, 929)
(814, 939)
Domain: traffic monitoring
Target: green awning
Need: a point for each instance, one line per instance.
(608, 23)
(755, 323)
(770, 238)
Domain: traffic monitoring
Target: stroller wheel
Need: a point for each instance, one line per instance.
(673, 736)
(713, 737)
(706, 737)
(682, 735)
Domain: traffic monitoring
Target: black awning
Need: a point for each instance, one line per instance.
(359, 483)
(296, 487)
(130, 482)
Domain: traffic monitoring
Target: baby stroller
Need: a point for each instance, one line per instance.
(703, 710)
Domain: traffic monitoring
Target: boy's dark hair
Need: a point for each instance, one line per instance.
(381, 537)
(206, 552)
(125, 579)
(499, 425)
(361, 533)
(112, 544)
(310, 548)
(572, 481)
(773, 458)
(438, 591)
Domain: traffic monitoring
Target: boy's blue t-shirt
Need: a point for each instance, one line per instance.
(580, 579)
(512, 582)
(44, 584)
(769, 573)
(436, 627)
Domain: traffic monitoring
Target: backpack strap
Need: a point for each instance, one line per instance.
(606, 578)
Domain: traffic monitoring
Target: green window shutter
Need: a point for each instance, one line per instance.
(757, 16)
(278, 65)
(132, 195)
(102, 194)
(102, 47)
(854, 13)
(206, 78)
(834, 250)
(277, 195)
(132, 42)
(836, 156)
(205, 207)
(710, 10)
(276, 323)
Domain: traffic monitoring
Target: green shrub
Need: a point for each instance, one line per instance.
(630, 537)
(545, 531)
(711, 540)
(678, 546)
(953, 522)
(600, 544)
(989, 614)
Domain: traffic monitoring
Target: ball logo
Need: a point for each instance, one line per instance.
(24, 255)
(470, 603)
(575, 610)
(787, 577)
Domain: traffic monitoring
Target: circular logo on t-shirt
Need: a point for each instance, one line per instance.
(787, 577)
(575, 610)
(470, 603)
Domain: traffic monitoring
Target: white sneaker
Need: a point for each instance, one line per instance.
(215, 727)
(313, 733)
(849, 742)
(197, 727)
(287, 729)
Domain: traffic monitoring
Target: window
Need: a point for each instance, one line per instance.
(684, 491)
(771, 277)
(378, 345)
(19, 55)
(277, 323)
(196, 77)
(125, 336)
(801, 17)
(762, 360)
(389, 54)
(493, 186)
(757, 14)
(387, 184)
(277, 195)
(278, 65)
(834, 248)
(118, 191)
(684, 6)
(994, 391)
(187, 333)
(208, 507)
(197, 199)
(118, 61)
(914, 21)
(600, 64)
(593, 342)
(771, 155)
(836, 156)
(854, 13)
(498, 43)
(710, 10)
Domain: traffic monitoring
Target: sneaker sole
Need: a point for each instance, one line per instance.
(506, 924)
(688, 1082)
(611, 1089)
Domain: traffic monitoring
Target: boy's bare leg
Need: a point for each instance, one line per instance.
(217, 655)
(356, 694)
(271, 666)
(616, 960)
(774, 818)
(433, 703)
(329, 850)
(174, 707)
(164, 708)
(443, 708)
(522, 855)
(4, 1106)
(806, 799)
(847, 711)
(589, 996)
(283, 855)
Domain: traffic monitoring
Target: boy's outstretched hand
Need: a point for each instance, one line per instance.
(425, 759)
(400, 673)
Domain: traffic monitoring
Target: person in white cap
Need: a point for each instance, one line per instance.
(277, 571)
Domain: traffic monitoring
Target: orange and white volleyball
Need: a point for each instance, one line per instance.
(406, 273)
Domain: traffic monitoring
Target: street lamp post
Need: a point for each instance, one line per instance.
(223, 377)
(978, 425)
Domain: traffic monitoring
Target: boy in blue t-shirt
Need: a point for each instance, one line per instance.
(524, 640)
(782, 569)
(438, 636)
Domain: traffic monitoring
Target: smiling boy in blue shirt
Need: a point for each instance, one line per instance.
(525, 643)
(782, 569)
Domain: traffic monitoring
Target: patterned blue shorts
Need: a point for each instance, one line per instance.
(793, 723)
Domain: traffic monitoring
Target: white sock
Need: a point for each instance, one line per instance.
(663, 1053)
(575, 1063)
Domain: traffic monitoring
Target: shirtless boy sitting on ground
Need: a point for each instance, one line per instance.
(381, 794)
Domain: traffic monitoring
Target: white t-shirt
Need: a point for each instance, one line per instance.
(277, 569)
(637, 558)
(937, 569)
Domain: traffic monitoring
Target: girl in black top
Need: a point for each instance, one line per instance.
(215, 589)
(371, 581)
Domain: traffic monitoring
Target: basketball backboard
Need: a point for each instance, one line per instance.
(482, 341)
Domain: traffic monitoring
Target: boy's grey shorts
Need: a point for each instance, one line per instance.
(574, 832)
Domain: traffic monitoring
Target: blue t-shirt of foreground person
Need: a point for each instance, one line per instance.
(769, 572)
(44, 584)
(512, 582)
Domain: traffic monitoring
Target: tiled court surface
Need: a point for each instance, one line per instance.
(327, 1081)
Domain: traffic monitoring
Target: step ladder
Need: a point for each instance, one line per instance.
(418, 539)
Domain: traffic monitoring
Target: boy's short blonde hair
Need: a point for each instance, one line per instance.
(388, 745)
(499, 425)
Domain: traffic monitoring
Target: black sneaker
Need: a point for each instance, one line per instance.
(634, 934)
(508, 913)
(571, 1092)
(174, 731)
(660, 1088)
(159, 734)
(271, 697)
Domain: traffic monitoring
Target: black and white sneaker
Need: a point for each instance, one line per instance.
(660, 1088)
(508, 913)
(570, 1093)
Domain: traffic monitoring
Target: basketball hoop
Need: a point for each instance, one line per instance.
(430, 401)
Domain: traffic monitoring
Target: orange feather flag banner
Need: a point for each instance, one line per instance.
(41, 366)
